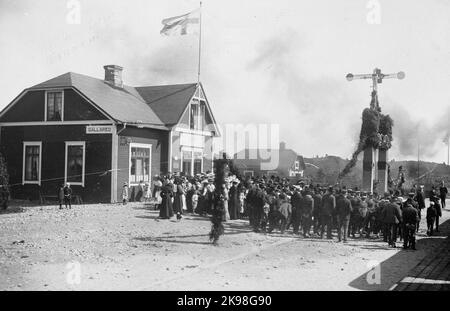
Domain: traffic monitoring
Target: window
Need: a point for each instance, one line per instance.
(297, 165)
(197, 114)
(187, 162)
(198, 161)
(32, 162)
(192, 161)
(54, 106)
(75, 162)
(140, 155)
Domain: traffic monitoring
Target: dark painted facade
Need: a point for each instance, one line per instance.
(99, 134)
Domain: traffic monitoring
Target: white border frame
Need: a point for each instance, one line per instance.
(75, 143)
(62, 103)
(191, 150)
(32, 143)
(140, 145)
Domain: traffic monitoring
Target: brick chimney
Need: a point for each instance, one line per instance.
(113, 75)
(282, 145)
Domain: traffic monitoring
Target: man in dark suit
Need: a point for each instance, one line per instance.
(410, 217)
(316, 213)
(296, 202)
(328, 209)
(443, 191)
(420, 198)
(392, 216)
(307, 212)
(343, 211)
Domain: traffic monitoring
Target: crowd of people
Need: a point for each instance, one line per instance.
(311, 210)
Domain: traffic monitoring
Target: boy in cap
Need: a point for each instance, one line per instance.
(125, 193)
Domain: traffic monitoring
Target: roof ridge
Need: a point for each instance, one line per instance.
(170, 94)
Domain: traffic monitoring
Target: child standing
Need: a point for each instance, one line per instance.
(431, 218)
(125, 193)
(61, 195)
(194, 201)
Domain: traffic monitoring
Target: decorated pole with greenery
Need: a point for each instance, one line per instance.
(223, 168)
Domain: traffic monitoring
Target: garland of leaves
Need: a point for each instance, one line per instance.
(376, 132)
(222, 168)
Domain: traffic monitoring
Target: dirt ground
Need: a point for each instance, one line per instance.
(116, 247)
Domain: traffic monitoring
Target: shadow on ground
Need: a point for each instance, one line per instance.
(391, 266)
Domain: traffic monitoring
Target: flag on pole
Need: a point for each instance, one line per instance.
(181, 25)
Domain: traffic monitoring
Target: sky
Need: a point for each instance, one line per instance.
(262, 62)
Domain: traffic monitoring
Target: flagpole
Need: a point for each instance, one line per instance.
(199, 44)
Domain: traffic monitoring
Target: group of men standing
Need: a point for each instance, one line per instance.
(315, 211)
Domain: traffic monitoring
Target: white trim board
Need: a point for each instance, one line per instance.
(43, 123)
(62, 103)
(75, 143)
(140, 145)
(32, 143)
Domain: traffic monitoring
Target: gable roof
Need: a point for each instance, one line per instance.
(121, 104)
(168, 101)
(154, 106)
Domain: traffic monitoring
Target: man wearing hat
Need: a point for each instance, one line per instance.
(307, 209)
(420, 198)
(343, 211)
(410, 217)
(443, 191)
(317, 207)
(392, 216)
(328, 209)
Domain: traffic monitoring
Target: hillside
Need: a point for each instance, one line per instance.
(325, 170)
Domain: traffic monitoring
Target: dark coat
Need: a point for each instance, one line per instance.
(67, 192)
(443, 192)
(307, 206)
(437, 206)
(166, 209)
(410, 215)
(233, 203)
(431, 213)
(343, 207)
(61, 194)
(328, 205)
(420, 197)
(392, 214)
(317, 204)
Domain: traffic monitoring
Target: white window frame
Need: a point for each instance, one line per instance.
(62, 103)
(191, 150)
(32, 143)
(75, 143)
(297, 165)
(139, 145)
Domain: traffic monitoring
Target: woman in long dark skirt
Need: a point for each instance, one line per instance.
(202, 200)
(166, 210)
(178, 201)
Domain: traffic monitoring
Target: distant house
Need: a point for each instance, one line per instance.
(289, 164)
(98, 134)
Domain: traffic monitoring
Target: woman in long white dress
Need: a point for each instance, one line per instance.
(226, 214)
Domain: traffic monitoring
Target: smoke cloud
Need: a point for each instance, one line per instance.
(410, 132)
